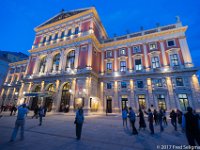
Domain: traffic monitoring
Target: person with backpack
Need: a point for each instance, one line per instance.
(124, 116)
(132, 118)
(79, 119)
(41, 114)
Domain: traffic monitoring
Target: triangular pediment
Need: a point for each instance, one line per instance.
(62, 15)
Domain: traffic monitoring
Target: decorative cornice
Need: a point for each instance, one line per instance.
(18, 63)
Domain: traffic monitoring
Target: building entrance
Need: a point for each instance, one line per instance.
(124, 101)
(109, 104)
(65, 99)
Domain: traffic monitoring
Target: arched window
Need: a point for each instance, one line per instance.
(71, 59)
(56, 61)
(42, 64)
(51, 88)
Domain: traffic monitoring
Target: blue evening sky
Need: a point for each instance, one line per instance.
(19, 17)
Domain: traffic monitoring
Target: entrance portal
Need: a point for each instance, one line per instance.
(109, 104)
(124, 102)
(35, 100)
(65, 99)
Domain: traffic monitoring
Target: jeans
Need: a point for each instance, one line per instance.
(125, 121)
(174, 124)
(40, 117)
(18, 123)
(78, 130)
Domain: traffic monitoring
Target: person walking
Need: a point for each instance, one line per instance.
(20, 122)
(41, 114)
(164, 118)
(179, 116)
(190, 123)
(35, 112)
(150, 119)
(155, 117)
(124, 116)
(173, 117)
(132, 118)
(142, 123)
(160, 118)
(79, 122)
(12, 109)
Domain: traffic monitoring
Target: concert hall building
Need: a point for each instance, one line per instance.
(74, 63)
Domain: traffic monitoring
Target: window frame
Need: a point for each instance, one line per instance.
(169, 41)
(123, 85)
(155, 63)
(140, 85)
(109, 66)
(120, 51)
(172, 59)
(138, 67)
(178, 83)
(122, 66)
(138, 49)
(154, 43)
(109, 85)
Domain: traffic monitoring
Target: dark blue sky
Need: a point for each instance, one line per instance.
(19, 17)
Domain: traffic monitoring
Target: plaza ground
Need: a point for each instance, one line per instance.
(100, 132)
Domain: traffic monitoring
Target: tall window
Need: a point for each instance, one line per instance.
(179, 81)
(161, 102)
(152, 46)
(50, 38)
(123, 85)
(69, 32)
(12, 70)
(62, 34)
(138, 64)
(109, 66)
(183, 101)
(136, 49)
(56, 61)
(17, 69)
(44, 40)
(56, 36)
(142, 102)
(76, 30)
(108, 54)
(71, 59)
(122, 66)
(155, 62)
(109, 85)
(140, 84)
(122, 51)
(42, 64)
(174, 59)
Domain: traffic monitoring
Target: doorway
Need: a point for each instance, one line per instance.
(65, 98)
(109, 104)
(124, 101)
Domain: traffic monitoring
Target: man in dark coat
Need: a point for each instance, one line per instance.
(191, 125)
(132, 118)
(173, 117)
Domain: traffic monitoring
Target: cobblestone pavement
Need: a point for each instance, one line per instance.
(100, 132)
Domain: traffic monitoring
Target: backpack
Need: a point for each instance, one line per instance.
(79, 118)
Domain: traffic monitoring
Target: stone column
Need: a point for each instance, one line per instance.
(194, 83)
(132, 100)
(102, 62)
(150, 93)
(115, 100)
(185, 52)
(73, 93)
(101, 95)
(62, 56)
(115, 61)
(145, 57)
(130, 59)
(57, 98)
(89, 63)
(171, 102)
(163, 54)
(49, 62)
(37, 65)
(76, 57)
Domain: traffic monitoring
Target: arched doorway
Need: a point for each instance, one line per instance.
(35, 99)
(49, 100)
(65, 98)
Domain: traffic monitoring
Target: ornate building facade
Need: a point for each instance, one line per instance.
(74, 63)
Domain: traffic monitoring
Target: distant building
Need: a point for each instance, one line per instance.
(7, 57)
(73, 63)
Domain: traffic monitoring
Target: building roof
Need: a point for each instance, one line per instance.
(62, 15)
(4, 55)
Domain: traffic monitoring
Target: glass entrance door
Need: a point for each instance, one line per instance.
(183, 101)
(109, 104)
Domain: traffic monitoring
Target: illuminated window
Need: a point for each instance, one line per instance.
(122, 51)
(158, 82)
(76, 30)
(155, 62)
(183, 101)
(122, 66)
(109, 66)
(138, 64)
(142, 102)
(161, 101)
(152, 46)
(174, 59)
(71, 59)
